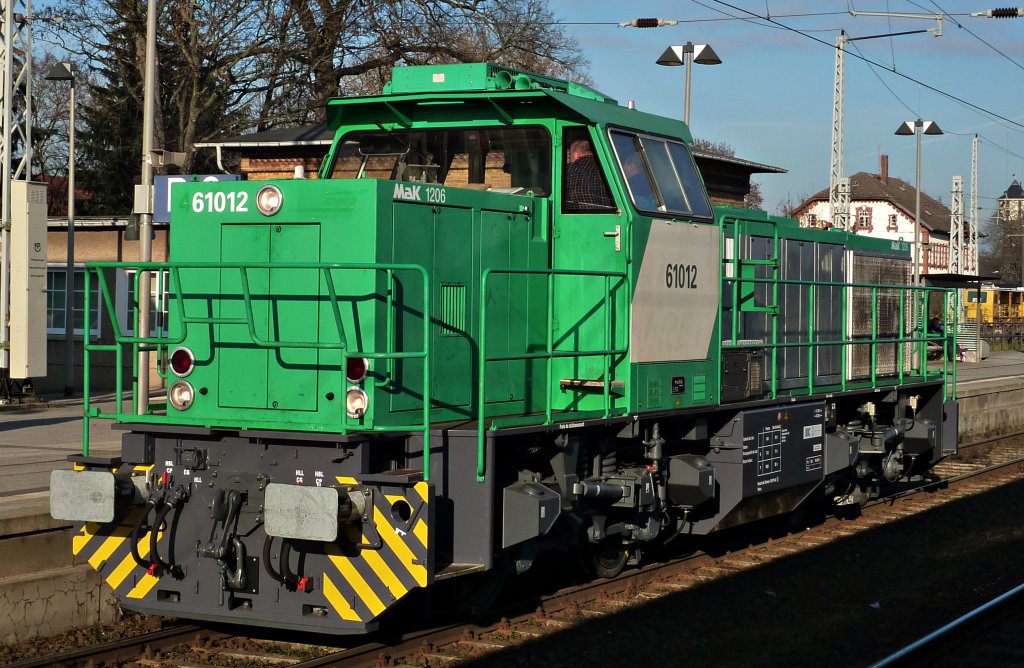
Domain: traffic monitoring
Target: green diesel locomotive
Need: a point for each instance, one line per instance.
(506, 319)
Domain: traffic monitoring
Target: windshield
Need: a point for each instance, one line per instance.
(660, 175)
(509, 159)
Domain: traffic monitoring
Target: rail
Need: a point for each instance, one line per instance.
(611, 281)
(986, 612)
(164, 339)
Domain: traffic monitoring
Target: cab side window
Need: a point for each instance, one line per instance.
(584, 187)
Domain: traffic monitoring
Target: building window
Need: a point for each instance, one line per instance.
(864, 217)
(892, 223)
(56, 299)
(812, 220)
(126, 301)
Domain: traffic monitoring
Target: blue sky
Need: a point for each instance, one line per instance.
(771, 98)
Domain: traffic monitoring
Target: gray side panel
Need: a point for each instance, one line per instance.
(794, 305)
(530, 509)
(828, 316)
(841, 449)
(464, 524)
(675, 302)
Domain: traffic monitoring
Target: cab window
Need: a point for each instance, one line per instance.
(506, 159)
(660, 175)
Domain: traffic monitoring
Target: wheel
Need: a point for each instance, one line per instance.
(607, 559)
(476, 594)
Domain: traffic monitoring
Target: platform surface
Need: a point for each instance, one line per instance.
(1000, 365)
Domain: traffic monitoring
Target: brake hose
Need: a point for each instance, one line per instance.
(137, 529)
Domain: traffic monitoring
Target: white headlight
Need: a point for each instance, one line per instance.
(269, 200)
(181, 394)
(356, 402)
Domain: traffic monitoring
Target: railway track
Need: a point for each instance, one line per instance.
(979, 466)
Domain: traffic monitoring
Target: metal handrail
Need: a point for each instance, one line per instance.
(549, 354)
(138, 342)
(920, 337)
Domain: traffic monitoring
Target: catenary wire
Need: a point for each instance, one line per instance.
(1018, 127)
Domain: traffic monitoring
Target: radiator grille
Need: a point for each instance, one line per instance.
(453, 309)
(883, 271)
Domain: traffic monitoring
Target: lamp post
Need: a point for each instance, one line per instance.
(144, 192)
(66, 72)
(702, 54)
(918, 127)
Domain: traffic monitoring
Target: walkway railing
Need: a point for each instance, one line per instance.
(912, 331)
(182, 321)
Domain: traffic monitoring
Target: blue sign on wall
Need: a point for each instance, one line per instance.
(162, 191)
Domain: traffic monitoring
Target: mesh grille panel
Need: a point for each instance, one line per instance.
(883, 271)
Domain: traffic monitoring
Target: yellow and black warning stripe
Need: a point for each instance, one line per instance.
(107, 548)
(387, 560)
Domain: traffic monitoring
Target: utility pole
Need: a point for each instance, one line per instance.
(838, 209)
(956, 227)
(16, 91)
(838, 185)
(973, 231)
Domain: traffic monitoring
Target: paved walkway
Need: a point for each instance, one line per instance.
(35, 441)
(1002, 364)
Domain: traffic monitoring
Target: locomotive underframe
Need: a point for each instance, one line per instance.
(194, 541)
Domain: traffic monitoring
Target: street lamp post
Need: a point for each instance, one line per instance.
(145, 193)
(66, 72)
(918, 127)
(702, 54)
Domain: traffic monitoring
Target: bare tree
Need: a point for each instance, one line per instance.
(349, 46)
(51, 120)
(231, 66)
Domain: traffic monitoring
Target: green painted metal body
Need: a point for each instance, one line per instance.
(472, 307)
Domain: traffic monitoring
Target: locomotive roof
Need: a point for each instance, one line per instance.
(417, 93)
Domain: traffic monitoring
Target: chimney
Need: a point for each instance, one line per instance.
(884, 173)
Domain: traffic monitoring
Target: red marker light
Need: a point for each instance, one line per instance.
(356, 369)
(182, 360)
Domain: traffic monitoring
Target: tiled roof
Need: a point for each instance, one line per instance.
(865, 187)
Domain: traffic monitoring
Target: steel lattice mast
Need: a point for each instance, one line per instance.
(973, 231)
(838, 205)
(16, 89)
(956, 227)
